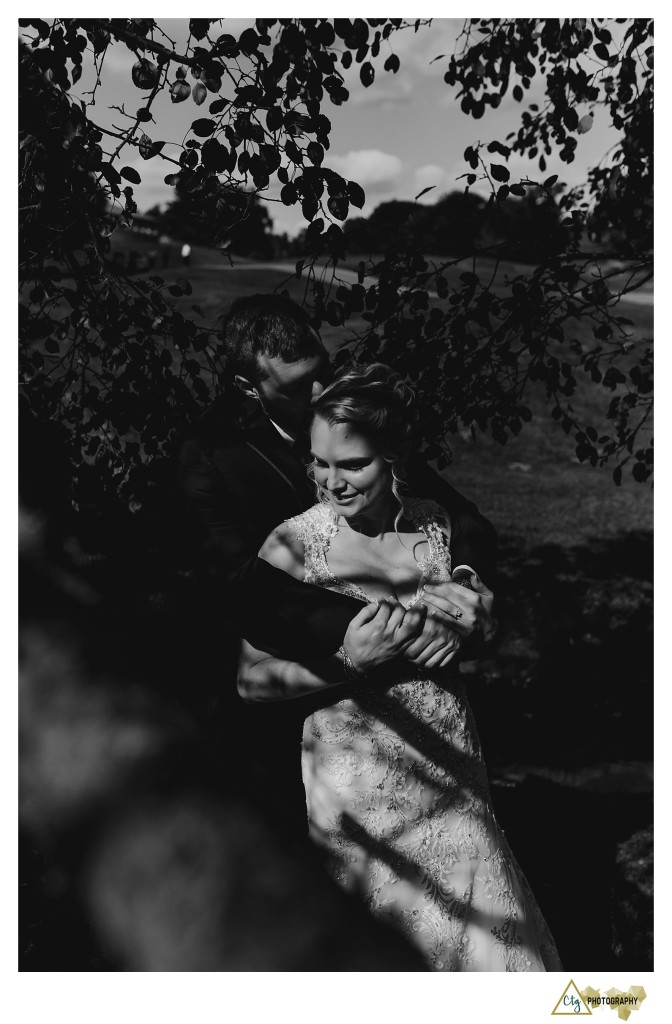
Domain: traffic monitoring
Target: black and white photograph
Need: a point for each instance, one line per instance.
(335, 439)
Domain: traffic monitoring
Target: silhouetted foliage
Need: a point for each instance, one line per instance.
(120, 366)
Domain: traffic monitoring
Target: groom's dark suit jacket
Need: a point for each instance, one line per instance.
(241, 479)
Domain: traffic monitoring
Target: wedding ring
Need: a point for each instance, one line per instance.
(458, 613)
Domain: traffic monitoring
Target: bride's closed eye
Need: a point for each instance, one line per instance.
(348, 466)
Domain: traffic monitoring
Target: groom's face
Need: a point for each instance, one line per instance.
(285, 390)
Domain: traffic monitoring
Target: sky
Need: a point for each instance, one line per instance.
(404, 133)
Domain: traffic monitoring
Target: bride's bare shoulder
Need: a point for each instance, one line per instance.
(286, 546)
(284, 549)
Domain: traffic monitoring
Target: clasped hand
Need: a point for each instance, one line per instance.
(468, 612)
(427, 635)
(384, 630)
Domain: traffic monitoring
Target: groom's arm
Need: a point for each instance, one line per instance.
(269, 608)
(279, 614)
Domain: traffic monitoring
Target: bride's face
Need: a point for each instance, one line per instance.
(350, 468)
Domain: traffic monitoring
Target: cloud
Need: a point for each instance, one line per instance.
(374, 170)
(377, 172)
(286, 218)
(432, 175)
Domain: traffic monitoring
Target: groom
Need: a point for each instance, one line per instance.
(242, 472)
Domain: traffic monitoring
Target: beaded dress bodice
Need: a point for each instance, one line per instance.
(316, 528)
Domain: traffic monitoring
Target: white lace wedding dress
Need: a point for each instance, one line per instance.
(398, 798)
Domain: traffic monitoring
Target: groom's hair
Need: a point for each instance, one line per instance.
(271, 325)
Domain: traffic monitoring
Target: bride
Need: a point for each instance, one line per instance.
(396, 787)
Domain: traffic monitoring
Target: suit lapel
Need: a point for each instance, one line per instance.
(244, 422)
(264, 440)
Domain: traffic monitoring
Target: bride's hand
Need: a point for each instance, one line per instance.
(380, 632)
(468, 612)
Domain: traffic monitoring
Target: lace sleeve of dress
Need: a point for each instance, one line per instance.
(434, 521)
(314, 528)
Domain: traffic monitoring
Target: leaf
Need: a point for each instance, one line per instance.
(571, 118)
(180, 91)
(203, 126)
(338, 206)
(144, 74)
(550, 182)
(147, 148)
(110, 173)
(499, 172)
(249, 41)
(214, 156)
(367, 74)
(356, 194)
(585, 124)
(315, 153)
(198, 94)
(425, 190)
(199, 27)
(130, 174)
(289, 195)
(393, 63)
(274, 119)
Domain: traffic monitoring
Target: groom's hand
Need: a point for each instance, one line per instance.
(382, 631)
(435, 646)
(467, 611)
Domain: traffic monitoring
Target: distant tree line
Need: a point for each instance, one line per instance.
(526, 228)
(462, 223)
(245, 227)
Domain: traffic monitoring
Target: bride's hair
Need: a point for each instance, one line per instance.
(377, 400)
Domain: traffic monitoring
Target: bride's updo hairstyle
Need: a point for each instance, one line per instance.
(376, 400)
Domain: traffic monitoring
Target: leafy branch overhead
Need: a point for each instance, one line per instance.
(121, 364)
